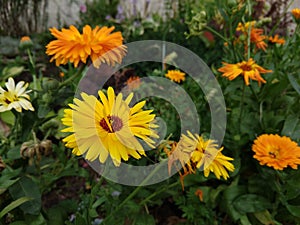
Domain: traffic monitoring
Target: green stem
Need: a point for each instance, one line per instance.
(32, 65)
(242, 104)
(136, 190)
(216, 33)
(158, 192)
(71, 78)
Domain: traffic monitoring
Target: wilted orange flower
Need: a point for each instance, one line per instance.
(276, 151)
(99, 44)
(249, 69)
(256, 34)
(175, 75)
(193, 152)
(277, 40)
(296, 13)
(199, 193)
(133, 82)
(257, 38)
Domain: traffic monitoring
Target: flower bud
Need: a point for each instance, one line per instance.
(25, 43)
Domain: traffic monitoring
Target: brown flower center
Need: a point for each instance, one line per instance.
(246, 67)
(111, 124)
(274, 153)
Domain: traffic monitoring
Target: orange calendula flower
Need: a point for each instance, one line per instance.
(296, 13)
(133, 82)
(257, 38)
(276, 39)
(175, 75)
(276, 151)
(25, 38)
(99, 44)
(249, 70)
(256, 34)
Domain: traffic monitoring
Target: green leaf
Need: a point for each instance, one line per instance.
(264, 217)
(25, 187)
(4, 185)
(8, 117)
(11, 71)
(294, 83)
(14, 205)
(294, 209)
(144, 219)
(230, 194)
(14, 153)
(291, 127)
(250, 203)
(18, 223)
(35, 220)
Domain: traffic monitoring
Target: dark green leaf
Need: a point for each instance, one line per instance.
(294, 209)
(25, 187)
(291, 127)
(250, 203)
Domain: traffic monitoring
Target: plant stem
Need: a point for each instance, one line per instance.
(136, 190)
(32, 66)
(216, 33)
(71, 78)
(158, 192)
(242, 104)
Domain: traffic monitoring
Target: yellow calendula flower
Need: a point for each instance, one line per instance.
(193, 152)
(108, 127)
(248, 69)
(15, 97)
(276, 151)
(175, 75)
(99, 44)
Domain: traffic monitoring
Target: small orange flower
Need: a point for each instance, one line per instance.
(99, 44)
(25, 38)
(276, 151)
(133, 82)
(199, 193)
(296, 13)
(61, 74)
(257, 38)
(175, 75)
(249, 70)
(276, 39)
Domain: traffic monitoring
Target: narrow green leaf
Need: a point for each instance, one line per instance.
(14, 205)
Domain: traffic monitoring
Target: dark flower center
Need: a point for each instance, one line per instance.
(246, 67)
(111, 124)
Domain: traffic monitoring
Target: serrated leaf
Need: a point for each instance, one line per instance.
(14, 205)
(25, 187)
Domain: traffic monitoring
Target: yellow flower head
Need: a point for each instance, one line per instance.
(276, 151)
(249, 70)
(277, 40)
(296, 13)
(175, 75)
(15, 97)
(245, 27)
(99, 44)
(193, 152)
(108, 127)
